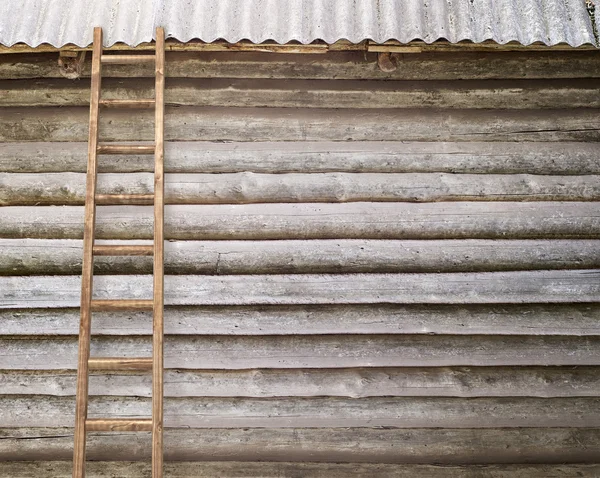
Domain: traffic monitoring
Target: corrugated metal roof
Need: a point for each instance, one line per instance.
(59, 22)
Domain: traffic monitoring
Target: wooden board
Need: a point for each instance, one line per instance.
(456, 220)
(339, 65)
(246, 188)
(543, 382)
(327, 351)
(277, 470)
(354, 445)
(292, 412)
(312, 157)
(63, 256)
(504, 319)
(190, 123)
(289, 93)
(563, 286)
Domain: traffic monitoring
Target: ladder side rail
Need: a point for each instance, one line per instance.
(88, 265)
(158, 293)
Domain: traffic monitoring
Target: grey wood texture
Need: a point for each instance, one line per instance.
(325, 351)
(63, 256)
(327, 445)
(361, 220)
(388, 272)
(467, 382)
(317, 412)
(465, 319)
(338, 65)
(540, 158)
(190, 123)
(234, 469)
(245, 188)
(563, 286)
(516, 94)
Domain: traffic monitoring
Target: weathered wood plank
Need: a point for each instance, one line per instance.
(342, 65)
(63, 256)
(463, 382)
(310, 157)
(189, 123)
(334, 412)
(446, 220)
(326, 351)
(504, 319)
(354, 445)
(564, 286)
(246, 188)
(289, 93)
(105, 469)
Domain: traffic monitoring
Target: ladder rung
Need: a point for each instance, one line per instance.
(126, 148)
(121, 199)
(109, 305)
(111, 250)
(120, 363)
(118, 424)
(144, 103)
(127, 59)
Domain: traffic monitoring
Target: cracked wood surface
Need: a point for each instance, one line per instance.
(564, 286)
(360, 220)
(338, 65)
(466, 319)
(63, 256)
(326, 445)
(189, 123)
(539, 158)
(306, 351)
(316, 412)
(515, 94)
(247, 188)
(466, 382)
(278, 470)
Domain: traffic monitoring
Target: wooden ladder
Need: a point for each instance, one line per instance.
(83, 424)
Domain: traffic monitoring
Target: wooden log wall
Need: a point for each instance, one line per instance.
(389, 273)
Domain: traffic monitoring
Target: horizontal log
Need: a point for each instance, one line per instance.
(327, 445)
(463, 382)
(288, 93)
(563, 286)
(505, 319)
(64, 256)
(340, 65)
(245, 188)
(447, 220)
(189, 123)
(311, 157)
(105, 469)
(327, 351)
(288, 412)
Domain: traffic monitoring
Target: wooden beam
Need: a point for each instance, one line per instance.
(324, 351)
(189, 123)
(462, 65)
(272, 93)
(360, 220)
(318, 412)
(325, 470)
(452, 288)
(328, 445)
(543, 382)
(346, 256)
(540, 158)
(575, 320)
(247, 188)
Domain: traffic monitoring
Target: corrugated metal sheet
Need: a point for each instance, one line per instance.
(59, 22)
